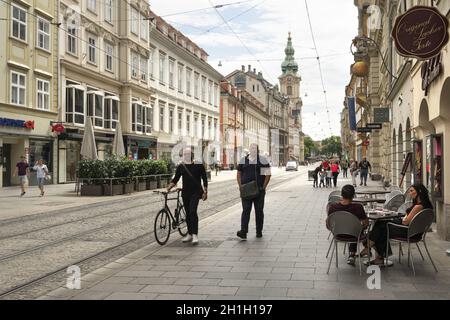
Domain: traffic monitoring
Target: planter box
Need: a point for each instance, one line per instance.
(91, 190)
(152, 184)
(128, 187)
(117, 189)
(163, 182)
(141, 186)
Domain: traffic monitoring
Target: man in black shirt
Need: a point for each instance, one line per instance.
(364, 166)
(192, 191)
(253, 167)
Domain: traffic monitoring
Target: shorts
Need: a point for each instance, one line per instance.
(23, 179)
(40, 181)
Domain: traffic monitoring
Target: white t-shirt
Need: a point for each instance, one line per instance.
(41, 170)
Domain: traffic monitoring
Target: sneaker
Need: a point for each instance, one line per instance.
(259, 234)
(351, 260)
(22, 194)
(241, 234)
(194, 239)
(188, 238)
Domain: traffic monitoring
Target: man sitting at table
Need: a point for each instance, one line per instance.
(346, 204)
(419, 193)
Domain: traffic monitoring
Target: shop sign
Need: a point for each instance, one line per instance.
(421, 32)
(17, 123)
(365, 129)
(381, 115)
(431, 69)
(374, 125)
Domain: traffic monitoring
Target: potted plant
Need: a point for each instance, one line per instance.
(112, 167)
(95, 170)
(126, 172)
(162, 170)
(150, 172)
(140, 171)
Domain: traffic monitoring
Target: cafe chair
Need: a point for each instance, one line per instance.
(403, 207)
(419, 225)
(395, 202)
(334, 193)
(333, 199)
(347, 228)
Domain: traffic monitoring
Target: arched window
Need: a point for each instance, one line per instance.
(289, 90)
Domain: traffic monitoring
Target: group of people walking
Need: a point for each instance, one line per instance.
(22, 170)
(253, 176)
(327, 173)
(362, 168)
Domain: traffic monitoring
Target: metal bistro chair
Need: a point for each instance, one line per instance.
(395, 202)
(334, 193)
(419, 225)
(332, 199)
(403, 207)
(345, 228)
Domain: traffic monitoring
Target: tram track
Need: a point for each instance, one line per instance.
(141, 240)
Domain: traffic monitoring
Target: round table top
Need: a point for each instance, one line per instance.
(372, 192)
(368, 200)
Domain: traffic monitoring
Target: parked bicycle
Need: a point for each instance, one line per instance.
(165, 221)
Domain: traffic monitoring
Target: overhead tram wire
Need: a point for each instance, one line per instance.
(243, 44)
(320, 67)
(175, 13)
(58, 25)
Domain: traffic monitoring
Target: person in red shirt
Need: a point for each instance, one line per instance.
(335, 172)
(346, 204)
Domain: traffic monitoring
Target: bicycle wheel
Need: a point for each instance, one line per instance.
(162, 227)
(182, 224)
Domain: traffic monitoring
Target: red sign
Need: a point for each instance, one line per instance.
(365, 143)
(421, 32)
(58, 128)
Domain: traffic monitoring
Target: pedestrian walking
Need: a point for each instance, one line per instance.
(316, 176)
(329, 177)
(364, 167)
(193, 174)
(41, 174)
(323, 176)
(335, 172)
(354, 171)
(344, 168)
(253, 176)
(23, 171)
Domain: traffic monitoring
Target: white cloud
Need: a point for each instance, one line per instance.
(264, 31)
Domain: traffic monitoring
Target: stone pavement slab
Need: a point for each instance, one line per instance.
(287, 263)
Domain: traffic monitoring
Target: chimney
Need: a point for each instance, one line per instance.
(260, 75)
(243, 68)
(249, 68)
(254, 70)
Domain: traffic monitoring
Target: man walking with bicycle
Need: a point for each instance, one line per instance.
(192, 191)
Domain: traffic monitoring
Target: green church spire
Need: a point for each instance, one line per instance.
(289, 64)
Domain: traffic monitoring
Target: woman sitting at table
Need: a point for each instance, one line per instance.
(378, 235)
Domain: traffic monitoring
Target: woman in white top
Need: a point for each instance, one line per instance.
(41, 172)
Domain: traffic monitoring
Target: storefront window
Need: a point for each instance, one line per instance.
(72, 158)
(41, 149)
(417, 161)
(436, 169)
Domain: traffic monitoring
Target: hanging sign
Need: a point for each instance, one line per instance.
(374, 125)
(421, 32)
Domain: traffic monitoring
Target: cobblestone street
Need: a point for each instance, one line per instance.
(287, 263)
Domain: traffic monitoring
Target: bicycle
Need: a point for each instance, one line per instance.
(165, 221)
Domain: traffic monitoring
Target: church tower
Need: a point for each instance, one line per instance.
(290, 87)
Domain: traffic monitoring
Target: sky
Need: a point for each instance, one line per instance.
(256, 33)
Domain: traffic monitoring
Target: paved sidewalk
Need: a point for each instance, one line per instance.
(63, 196)
(287, 263)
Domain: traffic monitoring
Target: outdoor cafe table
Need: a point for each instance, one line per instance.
(381, 215)
(365, 201)
(372, 193)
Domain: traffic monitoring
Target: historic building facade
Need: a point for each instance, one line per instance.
(28, 94)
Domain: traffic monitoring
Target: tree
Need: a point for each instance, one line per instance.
(331, 146)
(310, 147)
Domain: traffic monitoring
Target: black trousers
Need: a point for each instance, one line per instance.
(335, 176)
(316, 181)
(190, 202)
(379, 234)
(345, 172)
(259, 212)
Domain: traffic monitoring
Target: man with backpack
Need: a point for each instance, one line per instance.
(364, 167)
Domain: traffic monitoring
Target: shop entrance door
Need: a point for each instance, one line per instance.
(142, 153)
(6, 165)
